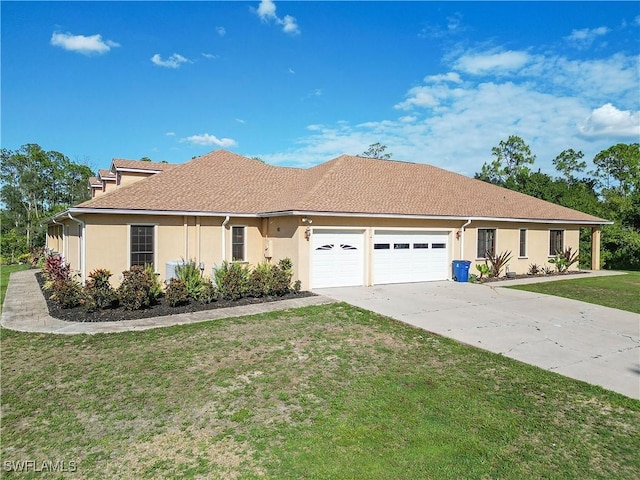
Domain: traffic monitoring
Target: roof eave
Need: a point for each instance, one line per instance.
(433, 217)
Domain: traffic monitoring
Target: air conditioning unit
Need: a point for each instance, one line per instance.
(170, 269)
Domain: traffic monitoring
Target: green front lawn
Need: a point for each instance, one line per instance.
(322, 392)
(5, 271)
(617, 291)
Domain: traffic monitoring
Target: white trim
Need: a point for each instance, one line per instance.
(428, 217)
(138, 170)
(176, 213)
(124, 211)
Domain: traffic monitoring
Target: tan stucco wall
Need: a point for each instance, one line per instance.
(109, 186)
(176, 238)
(508, 239)
(127, 178)
(201, 239)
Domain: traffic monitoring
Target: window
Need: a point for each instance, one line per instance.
(523, 243)
(401, 246)
(486, 242)
(142, 245)
(420, 245)
(556, 241)
(237, 244)
(381, 246)
(438, 245)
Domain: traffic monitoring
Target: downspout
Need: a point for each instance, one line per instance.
(224, 239)
(462, 238)
(82, 247)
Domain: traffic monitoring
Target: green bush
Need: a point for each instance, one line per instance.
(137, 289)
(100, 294)
(281, 278)
(176, 293)
(231, 280)
(564, 260)
(190, 274)
(156, 285)
(259, 282)
(208, 292)
(68, 293)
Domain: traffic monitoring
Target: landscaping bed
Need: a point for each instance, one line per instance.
(526, 275)
(161, 308)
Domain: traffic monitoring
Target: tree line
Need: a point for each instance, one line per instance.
(37, 184)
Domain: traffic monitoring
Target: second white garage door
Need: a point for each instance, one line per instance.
(400, 256)
(337, 258)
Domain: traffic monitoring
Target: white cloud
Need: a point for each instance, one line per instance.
(446, 77)
(221, 31)
(174, 61)
(584, 37)
(239, 120)
(292, 71)
(267, 13)
(86, 45)
(608, 121)
(206, 139)
(492, 63)
(209, 56)
(170, 134)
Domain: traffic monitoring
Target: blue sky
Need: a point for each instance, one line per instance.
(299, 83)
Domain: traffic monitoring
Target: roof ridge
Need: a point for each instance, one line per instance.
(333, 165)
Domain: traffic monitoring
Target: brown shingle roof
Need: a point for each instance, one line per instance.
(226, 182)
(95, 182)
(121, 163)
(105, 174)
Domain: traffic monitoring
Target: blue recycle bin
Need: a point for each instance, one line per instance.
(461, 270)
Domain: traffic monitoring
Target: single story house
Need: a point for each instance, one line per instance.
(349, 221)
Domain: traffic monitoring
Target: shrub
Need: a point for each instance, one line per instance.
(534, 269)
(497, 262)
(231, 280)
(259, 282)
(281, 279)
(483, 268)
(547, 270)
(55, 269)
(208, 292)
(68, 293)
(564, 260)
(191, 275)
(136, 290)
(156, 286)
(176, 293)
(100, 293)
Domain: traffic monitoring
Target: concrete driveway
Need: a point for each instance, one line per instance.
(595, 344)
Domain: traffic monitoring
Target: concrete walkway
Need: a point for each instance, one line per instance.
(25, 310)
(596, 344)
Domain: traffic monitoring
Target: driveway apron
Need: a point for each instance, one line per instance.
(596, 344)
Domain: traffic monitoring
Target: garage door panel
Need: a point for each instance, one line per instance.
(337, 259)
(400, 256)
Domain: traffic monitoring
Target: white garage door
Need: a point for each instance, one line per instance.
(337, 258)
(400, 257)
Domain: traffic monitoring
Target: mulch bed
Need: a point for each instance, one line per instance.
(541, 275)
(81, 314)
